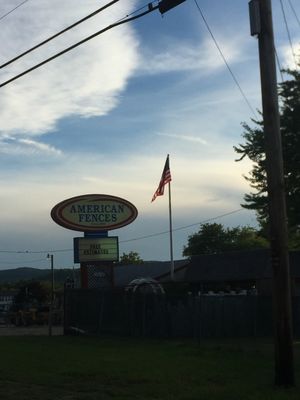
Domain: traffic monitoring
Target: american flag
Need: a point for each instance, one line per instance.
(165, 178)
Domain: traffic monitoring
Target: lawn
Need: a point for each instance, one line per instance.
(87, 368)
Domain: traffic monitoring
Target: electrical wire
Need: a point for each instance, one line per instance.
(59, 33)
(136, 11)
(279, 65)
(294, 11)
(12, 10)
(34, 252)
(22, 262)
(150, 9)
(130, 240)
(182, 227)
(288, 33)
(225, 61)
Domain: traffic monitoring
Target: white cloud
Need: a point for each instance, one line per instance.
(187, 138)
(28, 147)
(289, 54)
(87, 81)
(135, 178)
(195, 118)
(38, 147)
(204, 58)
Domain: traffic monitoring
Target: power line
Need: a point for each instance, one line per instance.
(279, 65)
(9, 12)
(22, 262)
(59, 33)
(288, 33)
(294, 11)
(136, 11)
(182, 227)
(225, 61)
(150, 9)
(130, 240)
(33, 252)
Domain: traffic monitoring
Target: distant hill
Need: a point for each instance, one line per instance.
(27, 274)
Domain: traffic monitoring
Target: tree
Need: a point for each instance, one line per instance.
(32, 293)
(131, 258)
(214, 238)
(254, 149)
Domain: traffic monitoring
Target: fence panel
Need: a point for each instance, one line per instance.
(145, 314)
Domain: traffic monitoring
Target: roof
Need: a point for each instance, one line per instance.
(159, 270)
(239, 265)
(229, 266)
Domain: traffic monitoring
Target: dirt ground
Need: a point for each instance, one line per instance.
(29, 330)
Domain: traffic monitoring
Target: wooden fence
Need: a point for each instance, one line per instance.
(99, 312)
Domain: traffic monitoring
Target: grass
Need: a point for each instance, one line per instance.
(82, 368)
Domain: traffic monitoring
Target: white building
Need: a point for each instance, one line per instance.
(6, 299)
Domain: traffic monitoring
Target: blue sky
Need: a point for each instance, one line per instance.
(102, 118)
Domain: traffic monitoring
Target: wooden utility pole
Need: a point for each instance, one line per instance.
(261, 23)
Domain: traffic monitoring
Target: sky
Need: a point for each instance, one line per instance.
(103, 117)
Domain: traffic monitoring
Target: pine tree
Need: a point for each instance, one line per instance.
(253, 148)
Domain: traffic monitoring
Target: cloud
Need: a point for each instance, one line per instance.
(201, 189)
(289, 54)
(27, 147)
(196, 120)
(86, 82)
(38, 147)
(184, 56)
(187, 138)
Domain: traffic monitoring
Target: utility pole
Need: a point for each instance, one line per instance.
(262, 25)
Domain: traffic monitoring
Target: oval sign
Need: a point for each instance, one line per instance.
(94, 212)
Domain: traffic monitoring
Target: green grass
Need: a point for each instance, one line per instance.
(79, 368)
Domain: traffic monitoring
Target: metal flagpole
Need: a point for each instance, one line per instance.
(166, 178)
(171, 235)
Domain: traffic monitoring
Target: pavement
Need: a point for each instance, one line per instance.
(12, 330)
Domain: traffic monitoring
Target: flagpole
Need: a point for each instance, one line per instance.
(166, 178)
(171, 235)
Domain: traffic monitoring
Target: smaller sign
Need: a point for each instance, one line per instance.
(96, 275)
(96, 249)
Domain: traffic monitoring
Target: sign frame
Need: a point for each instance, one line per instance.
(94, 246)
(94, 213)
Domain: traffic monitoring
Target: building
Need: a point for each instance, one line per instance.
(247, 271)
(158, 270)
(237, 272)
(6, 299)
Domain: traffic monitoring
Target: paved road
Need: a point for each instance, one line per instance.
(29, 330)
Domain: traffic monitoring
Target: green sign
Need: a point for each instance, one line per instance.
(96, 249)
